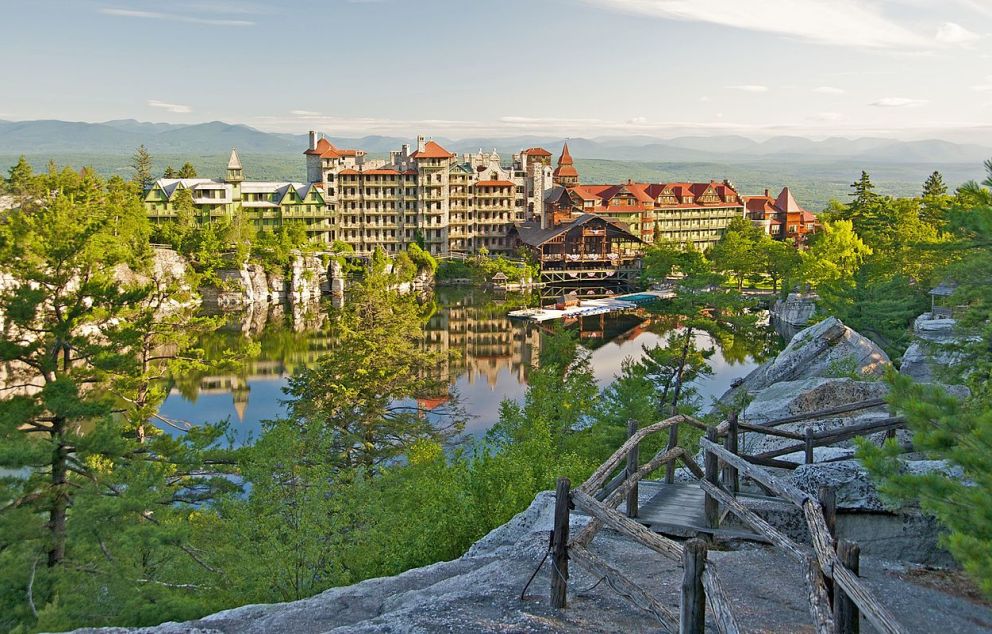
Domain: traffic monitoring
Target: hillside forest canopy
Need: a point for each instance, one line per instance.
(111, 516)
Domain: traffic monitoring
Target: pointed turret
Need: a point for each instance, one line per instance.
(235, 173)
(785, 202)
(565, 174)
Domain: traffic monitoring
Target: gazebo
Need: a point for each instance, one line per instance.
(938, 307)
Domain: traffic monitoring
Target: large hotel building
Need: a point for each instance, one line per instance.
(452, 204)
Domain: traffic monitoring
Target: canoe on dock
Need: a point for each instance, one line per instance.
(589, 307)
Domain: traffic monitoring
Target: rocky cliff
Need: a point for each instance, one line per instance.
(305, 280)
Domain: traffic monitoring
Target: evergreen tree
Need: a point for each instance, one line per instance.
(20, 178)
(141, 167)
(186, 171)
(170, 172)
(100, 498)
(935, 201)
(951, 428)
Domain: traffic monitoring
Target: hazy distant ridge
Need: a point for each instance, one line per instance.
(122, 136)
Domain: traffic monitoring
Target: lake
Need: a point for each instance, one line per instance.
(488, 354)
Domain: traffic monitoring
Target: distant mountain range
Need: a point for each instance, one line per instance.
(55, 138)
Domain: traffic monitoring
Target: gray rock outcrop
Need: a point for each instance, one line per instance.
(825, 349)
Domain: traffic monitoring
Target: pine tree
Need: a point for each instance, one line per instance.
(20, 177)
(141, 166)
(948, 427)
(864, 209)
(170, 172)
(935, 201)
(94, 524)
(187, 171)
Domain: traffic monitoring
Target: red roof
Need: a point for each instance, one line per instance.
(536, 151)
(565, 158)
(494, 184)
(566, 170)
(432, 150)
(326, 149)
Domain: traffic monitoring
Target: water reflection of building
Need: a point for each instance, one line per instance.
(479, 341)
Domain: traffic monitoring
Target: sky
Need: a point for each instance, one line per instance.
(469, 68)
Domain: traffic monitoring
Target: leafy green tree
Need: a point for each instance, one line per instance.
(186, 171)
(141, 167)
(738, 251)
(359, 402)
(778, 260)
(834, 254)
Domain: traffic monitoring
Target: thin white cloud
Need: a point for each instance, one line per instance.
(850, 23)
(637, 120)
(898, 102)
(952, 33)
(829, 90)
(173, 17)
(170, 107)
(827, 116)
(304, 113)
(750, 88)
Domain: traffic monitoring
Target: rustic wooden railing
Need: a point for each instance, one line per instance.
(837, 595)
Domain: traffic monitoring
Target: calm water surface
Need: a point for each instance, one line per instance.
(490, 356)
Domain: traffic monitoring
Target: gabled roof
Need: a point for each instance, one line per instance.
(326, 149)
(531, 232)
(536, 151)
(432, 150)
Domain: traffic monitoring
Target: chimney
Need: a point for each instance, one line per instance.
(420, 143)
(313, 139)
(406, 149)
(766, 192)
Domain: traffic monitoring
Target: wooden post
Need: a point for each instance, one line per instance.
(731, 481)
(710, 505)
(559, 545)
(632, 459)
(692, 604)
(846, 617)
(809, 445)
(828, 500)
(673, 441)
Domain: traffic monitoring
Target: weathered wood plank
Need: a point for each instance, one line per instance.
(559, 546)
(710, 468)
(719, 602)
(632, 459)
(756, 473)
(600, 568)
(692, 599)
(845, 611)
(822, 439)
(753, 520)
(599, 476)
(819, 601)
(610, 517)
(662, 457)
(770, 431)
(877, 614)
(730, 478)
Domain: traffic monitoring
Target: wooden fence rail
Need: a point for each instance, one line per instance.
(829, 567)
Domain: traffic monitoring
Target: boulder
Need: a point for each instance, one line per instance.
(825, 349)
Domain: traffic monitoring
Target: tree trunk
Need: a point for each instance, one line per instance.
(59, 493)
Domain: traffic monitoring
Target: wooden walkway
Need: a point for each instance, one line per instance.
(678, 510)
